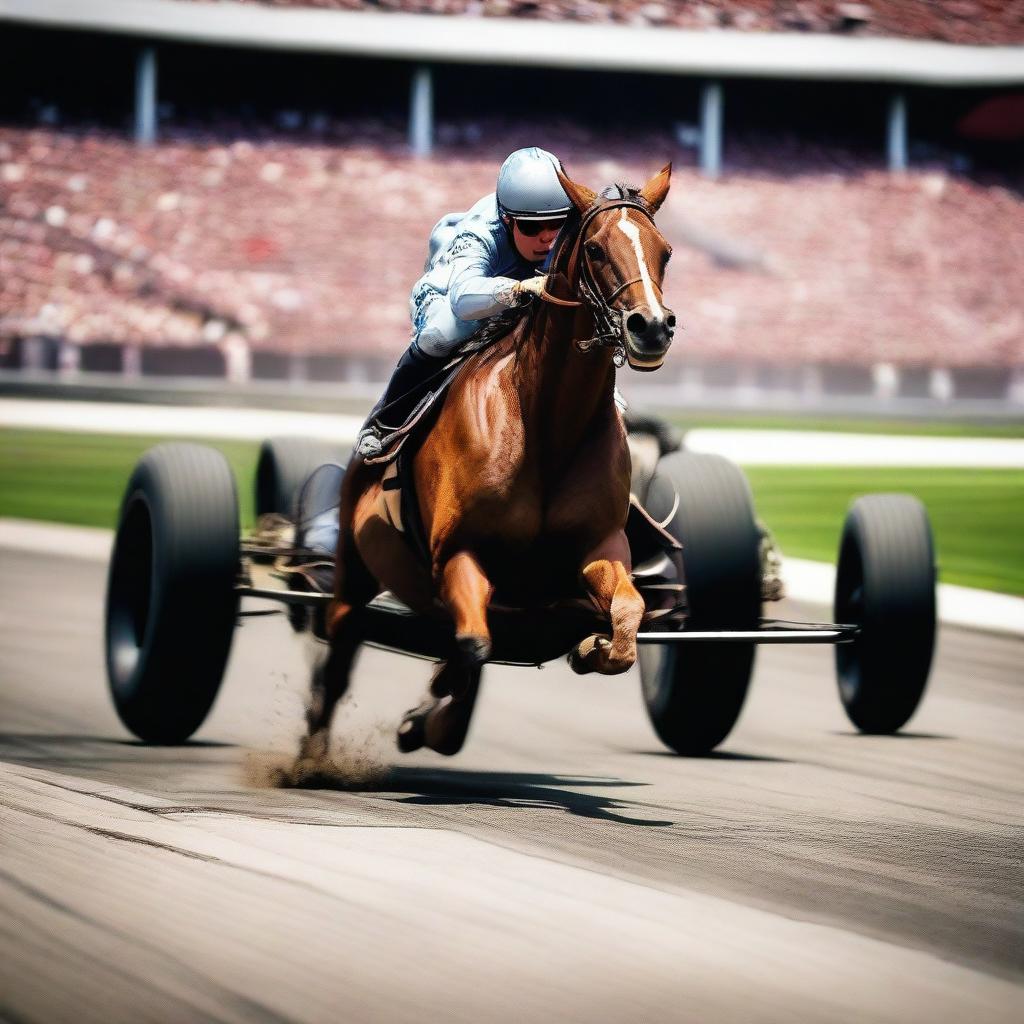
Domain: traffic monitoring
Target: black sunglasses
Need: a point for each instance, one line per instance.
(532, 228)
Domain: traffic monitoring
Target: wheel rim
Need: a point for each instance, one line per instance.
(849, 608)
(130, 593)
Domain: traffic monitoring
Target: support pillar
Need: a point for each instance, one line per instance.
(896, 136)
(69, 358)
(940, 384)
(1015, 389)
(748, 389)
(711, 110)
(145, 96)
(812, 385)
(885, 380)
(131, 360)
(33, 354)
(298, 369)
(237, 358)
(421, 112)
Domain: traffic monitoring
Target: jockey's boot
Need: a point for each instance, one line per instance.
(404, 390)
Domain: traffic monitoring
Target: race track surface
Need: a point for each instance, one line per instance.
(564, 867)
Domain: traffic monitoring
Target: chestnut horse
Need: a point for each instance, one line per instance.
(523, 482)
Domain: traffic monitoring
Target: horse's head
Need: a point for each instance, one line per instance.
(617, 263)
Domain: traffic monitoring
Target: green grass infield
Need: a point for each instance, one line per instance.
(692, 420)
(80, 478)
(977, 514)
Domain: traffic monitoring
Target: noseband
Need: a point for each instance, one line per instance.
(607, 329)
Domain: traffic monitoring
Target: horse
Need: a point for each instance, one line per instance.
(523, 482)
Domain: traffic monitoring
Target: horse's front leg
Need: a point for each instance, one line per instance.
(441, 721)
(466, 591)
(606, 574)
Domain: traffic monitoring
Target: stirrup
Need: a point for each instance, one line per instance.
(368, 443)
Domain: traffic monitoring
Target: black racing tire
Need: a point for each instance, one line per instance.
(284, 465)
(694, 692)
(171, 602)
(885, 584)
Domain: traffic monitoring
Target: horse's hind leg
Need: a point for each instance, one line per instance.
(328, 685)
(466, 591)
(354, 588)
(608, 580)
(441, 721)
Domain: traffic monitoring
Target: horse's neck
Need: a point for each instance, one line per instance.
(565, 394)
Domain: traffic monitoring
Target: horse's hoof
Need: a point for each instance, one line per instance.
(475, 650)
(576, 663)
(412, 732)
(446, 726)
(450, 745)
(589, 654)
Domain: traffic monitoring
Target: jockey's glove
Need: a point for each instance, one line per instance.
(531, 287)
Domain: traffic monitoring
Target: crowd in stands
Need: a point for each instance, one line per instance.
(954, 21)
(308, 247)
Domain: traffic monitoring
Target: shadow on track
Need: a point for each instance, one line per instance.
(712, 755)
(447, 787)
(66, 739)
(852, 733)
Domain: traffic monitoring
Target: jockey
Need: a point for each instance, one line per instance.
(480, 264)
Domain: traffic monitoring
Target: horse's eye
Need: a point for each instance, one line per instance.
(594, 251)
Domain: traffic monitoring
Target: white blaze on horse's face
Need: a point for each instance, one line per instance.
(632, 232)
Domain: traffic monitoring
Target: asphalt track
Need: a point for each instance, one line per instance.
(562, 868)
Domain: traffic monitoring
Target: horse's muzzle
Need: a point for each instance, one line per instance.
(647, 337)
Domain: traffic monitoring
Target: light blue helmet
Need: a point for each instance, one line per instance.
(528, 187)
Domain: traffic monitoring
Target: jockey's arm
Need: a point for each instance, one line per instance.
(473, 292)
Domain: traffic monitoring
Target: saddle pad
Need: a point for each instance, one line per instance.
(401, 507)
(392, 488)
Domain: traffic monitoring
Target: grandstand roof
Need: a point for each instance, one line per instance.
(515, 41)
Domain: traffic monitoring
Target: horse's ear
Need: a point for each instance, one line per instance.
(579, 195)
(654, 192)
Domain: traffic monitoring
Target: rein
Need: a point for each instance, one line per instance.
(607, 330)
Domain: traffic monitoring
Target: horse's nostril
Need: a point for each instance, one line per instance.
(636, 324)
(671, 321)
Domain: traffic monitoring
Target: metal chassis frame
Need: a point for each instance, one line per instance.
(770, 631)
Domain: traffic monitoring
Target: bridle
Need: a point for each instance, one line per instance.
(608, 328)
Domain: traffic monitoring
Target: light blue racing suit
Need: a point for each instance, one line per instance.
(470, 270)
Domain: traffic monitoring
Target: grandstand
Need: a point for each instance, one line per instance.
(275, 226)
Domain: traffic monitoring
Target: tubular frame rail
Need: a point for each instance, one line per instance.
(770, 631)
